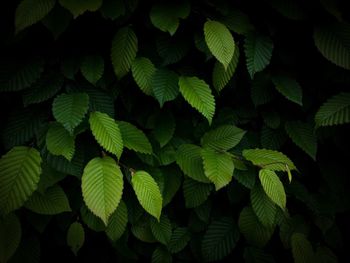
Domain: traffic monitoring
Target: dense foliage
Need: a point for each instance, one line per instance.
(185, 131)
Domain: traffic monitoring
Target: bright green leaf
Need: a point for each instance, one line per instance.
(59, 141)
(102, 186)
(273, 187)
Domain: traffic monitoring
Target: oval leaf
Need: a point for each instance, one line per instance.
(75, 237)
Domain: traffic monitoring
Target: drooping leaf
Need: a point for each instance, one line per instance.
(198, 94)
(195, 193)
(165, 16)
(303, 135)
(219, 240)
(117, 222)
(75, 237)
(289, 88)
(148, 193)
(223, 138)
(19, 177)
(59, 141)
(273, 187)
(92, 68)
(133, 138)
(188, 157)
(263, 206)
(29, 12)
(218, 167)
(44, 89)
(334, 111)
(220, 42)
(258, 51)
(142, 71)
(302, 249)
(161, 255)
(164, 127)
(53, 201)
(123, 52)
(106, 132)
(333, 43)
(222, 76)
(10, 236)
(78, 7)
(102, 186)
(253, 231)
(161, 230)
(165, 85)
(179, 240)
(70, 109)
(269, 159)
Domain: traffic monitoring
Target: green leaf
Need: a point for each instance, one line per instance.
(220, 42)
(188, 158)
(102, 186)
(165, 85)
(117, 222)
(263, 206)
(165, 16)
(238, 22)
(161, 255)
(10, 236)
(262, 90)
(171, 49)
(92, 221)
(258, 51)
(59, 141)
(164, 127)
(161, 230)
(44, 89)
(106, 132)
(70, 109)
(303, 135)
(142, 231)
(302, 249)
(218, 167)
(100, 101)
(92, 68)
(273, 187)
(57, 21)
(147, 192)
(195, 193)
(253, 231)
(75, 237)
(133, 138)
(269, 159)
(142, 71)
(334, 111)
(289, 88)
(179, 240)
(172, 183)
(219, 240)
(54, 201)
(333, 43)
(78, 7)
(20, 75)
(198, 94)
(19, 176)
(123, 52)
(29, 12)
(222, 76)
(223, 138)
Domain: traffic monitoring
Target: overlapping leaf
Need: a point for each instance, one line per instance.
(59, 141)
(133, 138)
(106, 132)
(198, 94)
(334, 111)
(220, 42)
(179, 240)
(117, 222)
(273, 187)
(19, 177)
(142, 71)
(218, 167)
(102, 186)
(148, 193)
(161, 230)
(92, 68)
(289, 88)
(165, 85)
(53, 201)
(70, 109)
(195, 193)
(123, 52)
